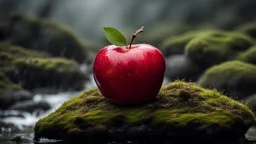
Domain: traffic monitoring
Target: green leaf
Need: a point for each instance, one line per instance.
(114, 36)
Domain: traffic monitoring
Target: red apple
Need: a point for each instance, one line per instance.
(129, 75)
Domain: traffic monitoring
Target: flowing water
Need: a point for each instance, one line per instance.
(25, 121)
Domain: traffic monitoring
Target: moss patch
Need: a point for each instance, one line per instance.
(181, 109)
(39, 34)
(248, 28)
(236, 78)
(207, 50)
(9, 52)
(176, 44)
(34, 69)
(56, 73)
(249, 55)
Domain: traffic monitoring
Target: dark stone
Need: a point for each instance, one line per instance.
(180, 67)
(31, 106)
(13, 96)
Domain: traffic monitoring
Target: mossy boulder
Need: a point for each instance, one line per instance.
(18, 51)
(211, 49)
(248, 28)
(176, 44)
(33, 69)
(236, 78)
(249, 55)
(9, 52)
(55, 73)
(44, 35)
(180, 110)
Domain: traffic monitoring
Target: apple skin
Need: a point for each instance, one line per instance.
(129, 76)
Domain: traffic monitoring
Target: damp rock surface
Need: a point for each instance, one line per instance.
(235, 78)
(180, 110)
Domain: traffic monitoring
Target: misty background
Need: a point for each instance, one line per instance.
(86, 17)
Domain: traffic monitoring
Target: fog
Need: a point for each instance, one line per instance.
(87, 17)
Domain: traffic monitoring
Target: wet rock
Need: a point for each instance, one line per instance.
(11, 96)
(7, 127)
(210, 49)
(5, 114)
(43, 35)
(9, 52)
(21, 95)
(176, 44)
(235, 78)
(180, 67)
(30, 106)
(51, 73)
(181, 110)
(32, 69)
(249, 55)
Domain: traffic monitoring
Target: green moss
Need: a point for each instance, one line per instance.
(176, 44)
(248, 28)
(249, 55)
(181, 109)
(46, 73)
(9, 52)
(209, 49)
(236, 78)
(18, 51)
(34, 69)
(45, 35)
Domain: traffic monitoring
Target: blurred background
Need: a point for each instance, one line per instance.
(47, 48)
(86, 17)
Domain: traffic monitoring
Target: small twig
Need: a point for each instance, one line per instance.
(135, 34)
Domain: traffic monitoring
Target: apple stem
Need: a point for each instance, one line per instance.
(135, 34)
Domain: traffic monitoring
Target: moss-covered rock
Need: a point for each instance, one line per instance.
(34, 69)
(209, 49)
(248, 28)
(249, 55)
(39, 34)
(181, 109)
(9, 52)
(18, 51)
(176, 44)
(7, 89)
(57, 73)
(236, 78)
